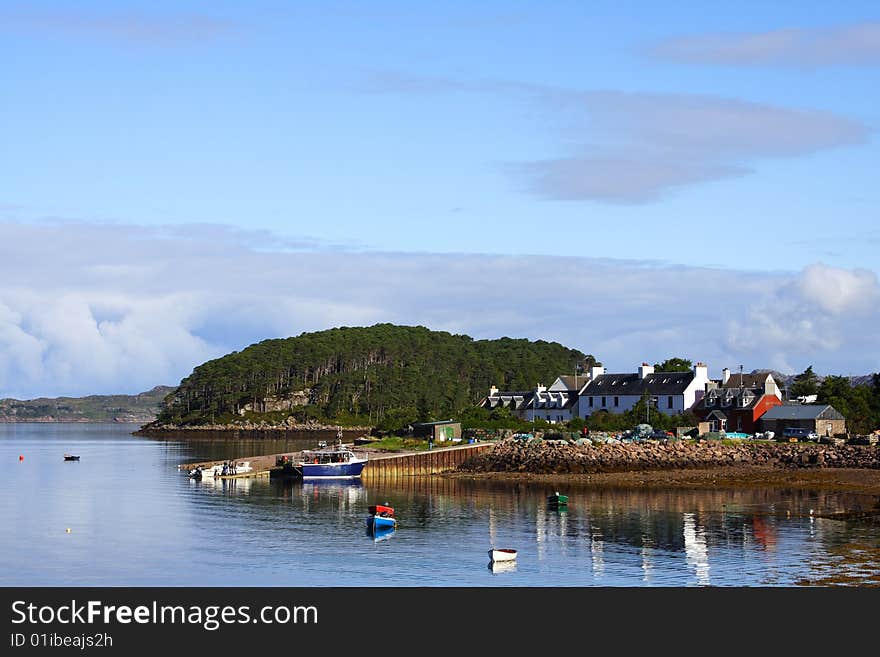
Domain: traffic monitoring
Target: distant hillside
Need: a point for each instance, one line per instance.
(785, 380)
(140, 408)
(362, 375)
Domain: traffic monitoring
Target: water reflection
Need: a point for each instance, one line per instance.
(228, 486)
(138, 521)
(498, 567)
(380, 533)
(343, 494)
(695, 548)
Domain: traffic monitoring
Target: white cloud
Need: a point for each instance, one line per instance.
(823, 311)
(123, 27)
(838, 291)
(854, 44)
(89, 309)
(636, 147)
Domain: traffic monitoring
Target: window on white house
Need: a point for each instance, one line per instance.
(617, 401)
(669, 402)
(591, 402)
(603, 401)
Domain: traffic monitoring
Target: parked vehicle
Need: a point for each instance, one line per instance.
(799, 433)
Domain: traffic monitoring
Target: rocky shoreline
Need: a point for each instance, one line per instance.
(547, 457)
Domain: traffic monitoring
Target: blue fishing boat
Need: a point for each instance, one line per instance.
(380, 523)
(331, 464)
(381, 518)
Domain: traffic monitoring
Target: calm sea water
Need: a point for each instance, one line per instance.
(135, 520)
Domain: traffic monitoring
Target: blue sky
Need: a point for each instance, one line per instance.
(558, 136)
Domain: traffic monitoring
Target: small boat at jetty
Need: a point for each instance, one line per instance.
(502, 554)
(71, 457)
(331, 464)
(557, 500)
(220, 469)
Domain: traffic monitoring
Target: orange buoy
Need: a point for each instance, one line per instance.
(20, 457)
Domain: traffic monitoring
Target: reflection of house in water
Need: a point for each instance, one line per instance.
(660, 530)
(695, 549)
(647, 563)
(597, 552)
(764, 532)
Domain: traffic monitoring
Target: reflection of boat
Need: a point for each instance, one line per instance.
(331, 464)
(71, 457)
(227, 484)
(502, 566)
(557, 500)
(380, 534)
(502, 554)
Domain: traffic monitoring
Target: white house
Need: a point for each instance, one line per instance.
(671, 392)
(554, 404)
(582, 395)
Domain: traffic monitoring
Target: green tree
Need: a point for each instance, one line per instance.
(805, 383)
(674, 365)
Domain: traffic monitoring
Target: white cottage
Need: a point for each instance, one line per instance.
(672, 392)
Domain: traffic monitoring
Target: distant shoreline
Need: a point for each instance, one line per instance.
(68, 421)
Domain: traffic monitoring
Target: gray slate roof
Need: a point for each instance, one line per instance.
(748, 380)
(659, 383)
(574, 383)
(554, 400)
(803, 412)
(514, 400)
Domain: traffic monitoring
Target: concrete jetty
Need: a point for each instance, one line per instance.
(380, 465)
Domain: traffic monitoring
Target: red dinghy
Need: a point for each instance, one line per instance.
(379, 510)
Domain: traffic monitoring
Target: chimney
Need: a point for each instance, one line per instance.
(596, 370)
(645, 370)
(701, 372)
(725, 375)
(493, 391)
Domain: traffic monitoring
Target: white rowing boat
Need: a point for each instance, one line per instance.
(502, 554)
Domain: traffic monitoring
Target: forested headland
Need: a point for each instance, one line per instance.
(383, 375)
